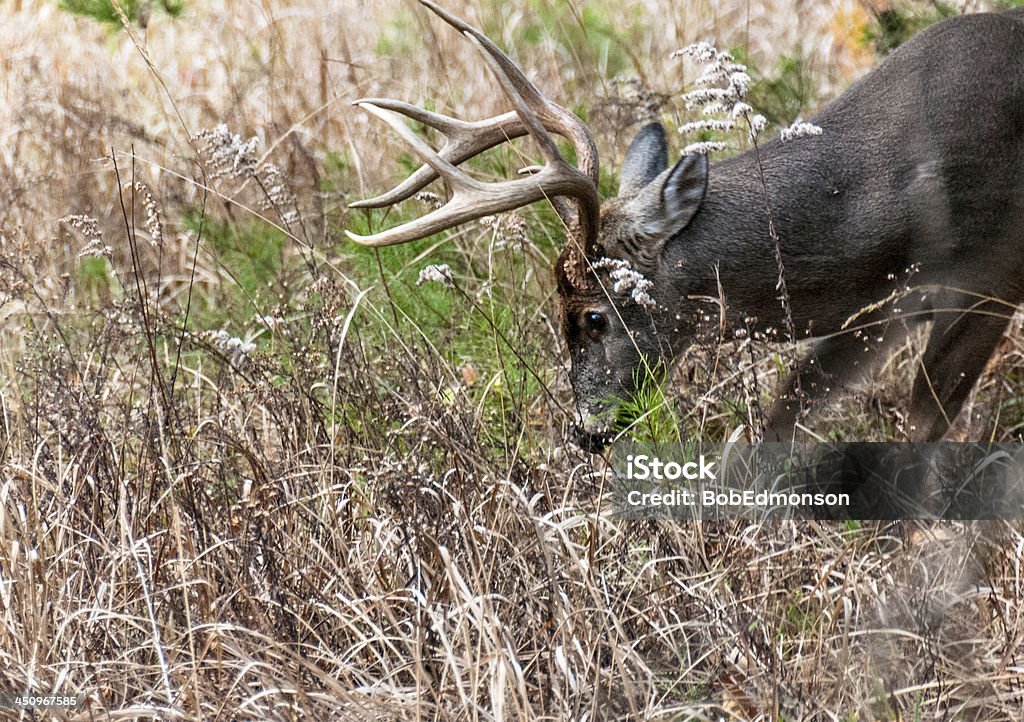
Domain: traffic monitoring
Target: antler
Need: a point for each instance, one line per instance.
(471, 199)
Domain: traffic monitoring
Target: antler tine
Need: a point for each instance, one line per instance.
(537, 113)
(565, 210)
(509, 74)
(440, 165)
(464, 140)
(472, 199)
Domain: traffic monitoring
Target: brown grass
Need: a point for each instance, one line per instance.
(374, 515)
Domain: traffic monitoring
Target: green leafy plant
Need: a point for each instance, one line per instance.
(784, 94)
(109, 11)
(894, 25)
(94, 278)
(648, 414)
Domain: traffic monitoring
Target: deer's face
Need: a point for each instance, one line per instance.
(623, 315)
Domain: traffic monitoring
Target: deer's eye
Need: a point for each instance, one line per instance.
(594, 324)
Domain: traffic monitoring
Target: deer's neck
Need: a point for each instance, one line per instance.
(784, 213)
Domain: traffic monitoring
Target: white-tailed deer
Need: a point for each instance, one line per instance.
(920, 166)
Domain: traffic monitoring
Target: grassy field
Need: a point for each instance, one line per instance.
(251, 471)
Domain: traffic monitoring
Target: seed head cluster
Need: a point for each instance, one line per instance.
(720, 91)
(88, 227)
(799, 129)
(235, 349)
(625, 278)
(231, 157)
(228, 155)
(441, 273)
(154, 224)
(509, 230)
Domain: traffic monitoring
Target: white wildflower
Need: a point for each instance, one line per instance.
(277, 194)
(624, 278)
(95, 249)
(702, 52)
(710, 124)
(720, 91)
(704, 147)
(431, 199)
(236, 350)
(719, 108)
(702, 96)
(154, 223)
(90, 228)
(799, 129)
(86, 225)
(714, 75)
(757, 124)
(739, 83)
(229, 155)
(509, 230)
(738, 110)
(436, 274)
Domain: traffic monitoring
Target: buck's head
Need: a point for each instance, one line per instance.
(620, 294)
(620, 307)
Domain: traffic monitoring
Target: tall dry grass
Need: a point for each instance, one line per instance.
(247, 472)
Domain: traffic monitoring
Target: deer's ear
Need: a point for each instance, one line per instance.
(646, 157)
(668, 203)
(682, 193)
